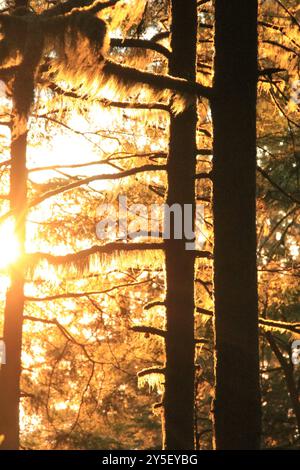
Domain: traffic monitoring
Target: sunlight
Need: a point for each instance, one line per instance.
(76, 147)
(9, 245)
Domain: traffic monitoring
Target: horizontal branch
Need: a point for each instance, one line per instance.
(108, 248)
(203, 176)
(141, 44)
(205, 311)
(151, 370)
(268, 72)
(91, 179)
(105, 102)
(263, 322)
(133, 105)
(69, 5)
(157, 303)
(201, 341)
(202, 254)
(162, 333)
(207, 152)
(151, 330)
(77, 295)
(279, 325)
(76, 184)
(160, 81)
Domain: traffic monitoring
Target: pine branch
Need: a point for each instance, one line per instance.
(159, 81)
(77, 295)
(81, 182)
(91, 179)
(133, 105)
(202, 254)
(207, 152)
(106, 249)
(268, 72)
(66, 7)
(151, 370)
(149, 330)
(266, 324)
(157, 303)
(279, 325)
(103, 101)
(162, 333)
(203, 176)
(205, 311)
(141, 44)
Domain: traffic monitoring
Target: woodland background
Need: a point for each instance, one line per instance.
(94, 322)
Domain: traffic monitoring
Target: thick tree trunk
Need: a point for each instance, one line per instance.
(13, 315)
(237, 413)
(179, 378)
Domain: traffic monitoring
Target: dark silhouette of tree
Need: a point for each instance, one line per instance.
(180, 350)
(237, 413)
(13, 315)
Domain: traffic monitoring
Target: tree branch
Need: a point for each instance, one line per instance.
(151, 370)
(141, 44)
(151, 330)
(107, 248)
(160, 81)
(279, 188)
(263, 322)
(69, 5)
(77, 295)
(157, 303)
(91, 179)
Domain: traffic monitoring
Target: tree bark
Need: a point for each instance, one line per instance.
(237, 413)
(179, 375)
(13, 315)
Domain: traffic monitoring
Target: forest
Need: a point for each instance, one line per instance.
(149, 225)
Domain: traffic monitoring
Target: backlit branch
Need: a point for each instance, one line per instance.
(106, 249)
(78, 295)
(91, 179)
(266, 324)
(90, 5)
(141, 44)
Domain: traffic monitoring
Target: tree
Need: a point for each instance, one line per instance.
(237, 412)
(180, 343)
(13, 316)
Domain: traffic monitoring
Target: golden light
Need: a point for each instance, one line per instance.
(9, 245)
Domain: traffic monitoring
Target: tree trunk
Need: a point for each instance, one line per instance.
(179, 377)
(237, 413)
(13, 315)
